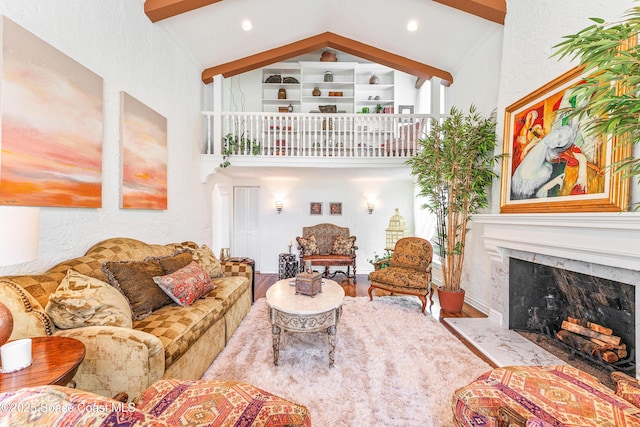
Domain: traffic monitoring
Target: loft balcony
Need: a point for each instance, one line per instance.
(310, 140)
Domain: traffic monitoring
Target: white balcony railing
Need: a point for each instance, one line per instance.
(314, 135)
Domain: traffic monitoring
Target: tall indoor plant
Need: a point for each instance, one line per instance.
(610, 54)
(454, 168)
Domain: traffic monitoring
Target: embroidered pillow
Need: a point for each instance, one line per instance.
(135, 280)
(81, 301)
(343, 245)
(208, 261)
(309, 244)
(186, 285)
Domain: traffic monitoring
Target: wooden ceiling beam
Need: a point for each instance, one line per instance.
(492, 10)
(321, 41)
(157, 10)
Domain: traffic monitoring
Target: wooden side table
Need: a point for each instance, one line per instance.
(55, 361)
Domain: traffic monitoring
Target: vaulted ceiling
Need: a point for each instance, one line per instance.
(375, 30)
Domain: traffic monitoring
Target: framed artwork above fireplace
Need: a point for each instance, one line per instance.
(553, 164)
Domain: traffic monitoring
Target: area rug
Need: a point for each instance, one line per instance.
(393, 365)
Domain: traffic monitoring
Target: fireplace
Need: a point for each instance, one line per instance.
(542, 298)
(571, 251)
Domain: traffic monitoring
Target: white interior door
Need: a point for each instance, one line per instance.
(246, 229)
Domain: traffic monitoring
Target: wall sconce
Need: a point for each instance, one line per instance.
(370, 206)
(279, 206)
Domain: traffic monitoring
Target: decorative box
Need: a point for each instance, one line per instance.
(308, 283)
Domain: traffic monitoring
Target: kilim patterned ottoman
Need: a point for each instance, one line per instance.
(166, 403)
(219, 403)
(541, 396)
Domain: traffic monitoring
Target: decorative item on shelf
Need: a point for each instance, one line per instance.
(308, 283)
(365, 110)
(379, 108)
(283, 109)
(328, 76)
(274, 78)
(374, 80)
(316, 91)
(328, 56)
(377, 98)
(396, 230)
(282, 93)
(307, 267)
(18, 243)
(225, 254)
(290, 244)
(290, 80)
(290, 108)
(370, 206)
(327, 108)
(324, 124)
(336, 93)
(279, 206)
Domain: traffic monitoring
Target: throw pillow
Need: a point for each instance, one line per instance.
(135, 280)
(343, 245)
(186, 285)
(208, 261)
(173, 262)
(309, 244)
(81, 301)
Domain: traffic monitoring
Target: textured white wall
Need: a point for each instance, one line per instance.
(298, 189)
(117, 41)
(531, 30)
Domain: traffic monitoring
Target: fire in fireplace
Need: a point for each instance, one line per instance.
(591, 316)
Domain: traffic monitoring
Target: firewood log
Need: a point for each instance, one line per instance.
(621, 346)
(608, 356)
(593, 326)
(579, 342)
(581, 330)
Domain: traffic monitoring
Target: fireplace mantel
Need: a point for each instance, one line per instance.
(611, 239)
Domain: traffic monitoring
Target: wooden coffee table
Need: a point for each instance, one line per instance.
(55, 361)
(302, 313)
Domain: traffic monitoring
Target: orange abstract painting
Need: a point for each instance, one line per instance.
(143, 138)
(52, 125)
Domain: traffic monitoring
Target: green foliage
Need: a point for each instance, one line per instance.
(386, 257)
(454, 171)
(233, 144)
(612, 87)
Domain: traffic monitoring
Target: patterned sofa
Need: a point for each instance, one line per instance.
(172, 342)
(328, 245)
(545, 396)
(165, 403)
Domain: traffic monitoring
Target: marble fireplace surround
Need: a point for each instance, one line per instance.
(605, 245)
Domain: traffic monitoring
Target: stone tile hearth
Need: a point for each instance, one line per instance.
(502, 346)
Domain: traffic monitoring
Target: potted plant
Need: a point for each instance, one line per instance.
(234, 144)
(454, 168)
(609, 52)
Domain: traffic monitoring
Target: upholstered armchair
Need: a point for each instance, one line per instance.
(406, 141)
(409, 271)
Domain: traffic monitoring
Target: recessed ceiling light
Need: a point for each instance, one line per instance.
(247, 25)
(412, 25)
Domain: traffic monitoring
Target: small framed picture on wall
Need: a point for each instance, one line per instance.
(335, 208)
(315, 208)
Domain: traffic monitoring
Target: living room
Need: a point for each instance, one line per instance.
(498, 67)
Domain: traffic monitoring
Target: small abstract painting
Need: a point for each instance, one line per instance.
(335, 208)
(52, 125)
(315, 208)
(143, 140)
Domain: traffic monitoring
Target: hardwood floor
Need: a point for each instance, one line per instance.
(264, 281)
